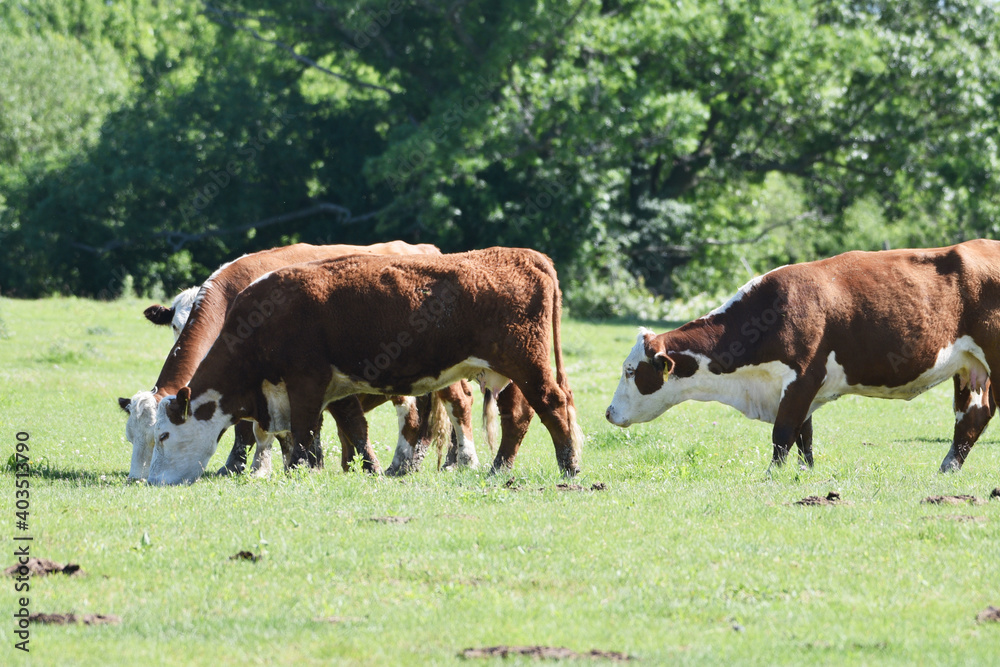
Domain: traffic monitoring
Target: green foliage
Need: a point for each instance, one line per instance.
(645, 146)
(56, 95)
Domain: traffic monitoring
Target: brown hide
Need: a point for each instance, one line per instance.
(392, 322)
(218, 292)
(885, 315)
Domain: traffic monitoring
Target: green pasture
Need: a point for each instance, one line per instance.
(691, 555)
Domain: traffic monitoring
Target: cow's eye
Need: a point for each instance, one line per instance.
(629, 373)
(164, 436)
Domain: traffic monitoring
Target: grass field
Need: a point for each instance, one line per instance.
(692, 554)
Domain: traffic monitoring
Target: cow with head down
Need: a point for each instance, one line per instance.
(177, 315)
(197, 322)
(377, 325)
(887, 324)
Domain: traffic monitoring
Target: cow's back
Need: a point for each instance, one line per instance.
(218, 293)
(872, 308)
(418, 311)
(233, 278)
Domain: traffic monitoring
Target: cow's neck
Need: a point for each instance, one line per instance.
(752, 388)
(702, 336)
(196, 339)
(223, 372)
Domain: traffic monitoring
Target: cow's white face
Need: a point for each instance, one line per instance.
(643, 393)
(141, 411)
(186, 435)
(183, 303)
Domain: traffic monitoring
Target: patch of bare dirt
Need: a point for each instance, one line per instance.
(989, 615)
(68, 619)
(41, 567)
(391, 519)
(544, 653)
(246, 555)
(961, 518)
(597, 486)
(567, 487)
(562, 486)
(832, 498)
(963, 499)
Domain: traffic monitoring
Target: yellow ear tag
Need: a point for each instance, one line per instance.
(187, 410)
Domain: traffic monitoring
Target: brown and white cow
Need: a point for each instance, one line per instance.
(207, 314)
(177, 315)
(420, 423)
(378, 325)
(888, 324)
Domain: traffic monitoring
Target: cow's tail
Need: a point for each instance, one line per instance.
(439, 427)
(491, 419)
(577, 432)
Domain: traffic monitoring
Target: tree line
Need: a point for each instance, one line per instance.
(652, 149)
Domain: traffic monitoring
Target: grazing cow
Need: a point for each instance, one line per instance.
(378, 325)
(203, 325)
(418, 426)
(888, 324)
(177, 315)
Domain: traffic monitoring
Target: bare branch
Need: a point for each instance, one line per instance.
(178, 239)
(221, 18)
(688, 250)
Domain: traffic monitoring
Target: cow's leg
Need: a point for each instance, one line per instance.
(353, 427)
(347, 450)
(805, 443)
(793, 413)
(429, 418)
(409, 433)
(458, 404)
(262, 465)
(243, 440)
(285, 441)
(554, 405)
(515, 417)
(973, 410)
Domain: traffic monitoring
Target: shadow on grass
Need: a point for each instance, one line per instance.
(80, 477)
(923, 438)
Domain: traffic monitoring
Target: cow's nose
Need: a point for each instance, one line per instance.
(607, 414)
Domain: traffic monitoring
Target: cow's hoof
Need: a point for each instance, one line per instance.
(468, 461)
(226, 471)
(263, 472)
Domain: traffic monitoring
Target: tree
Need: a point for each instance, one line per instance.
(671, 146)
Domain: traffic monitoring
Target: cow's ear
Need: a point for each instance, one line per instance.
(179, 409)
(184, 397)
(663, 363)
(125, 404)
(158, 314)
